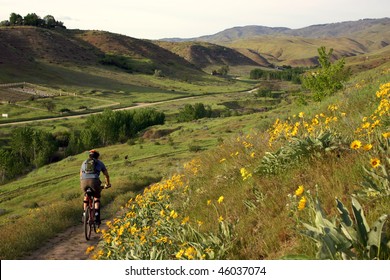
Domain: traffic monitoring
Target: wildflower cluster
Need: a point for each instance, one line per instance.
(374, 141)
(341, 239)
(193, 166)
(302, 126)
(245, 174)
(380, 115)
(298, 201)
(154, 229)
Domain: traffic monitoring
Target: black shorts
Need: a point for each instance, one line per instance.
(95, 184)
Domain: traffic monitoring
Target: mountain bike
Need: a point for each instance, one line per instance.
(89, 213)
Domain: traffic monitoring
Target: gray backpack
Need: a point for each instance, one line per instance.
(90, 166)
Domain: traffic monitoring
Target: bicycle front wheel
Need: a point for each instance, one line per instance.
(87, 223)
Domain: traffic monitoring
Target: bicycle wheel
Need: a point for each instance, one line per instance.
(93, 223)
(87, 223)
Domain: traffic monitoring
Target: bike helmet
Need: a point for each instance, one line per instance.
(94, 154)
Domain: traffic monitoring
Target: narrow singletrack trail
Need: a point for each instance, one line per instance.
(68, 245)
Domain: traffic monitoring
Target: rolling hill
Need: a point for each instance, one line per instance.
(205, 54)
(24, 50)
(298, 47)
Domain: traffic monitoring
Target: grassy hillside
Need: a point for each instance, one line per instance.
(205, 54)
(249, 200)
(223, 190)
(297, 47)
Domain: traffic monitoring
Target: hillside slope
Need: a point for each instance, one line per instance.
(206, 54)
(29, 45)
(25, 49)
(298, 47)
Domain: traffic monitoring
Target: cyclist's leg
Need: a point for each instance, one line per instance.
(97, 189)
(84, 184)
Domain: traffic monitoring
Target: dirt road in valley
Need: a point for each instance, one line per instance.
(136, 106)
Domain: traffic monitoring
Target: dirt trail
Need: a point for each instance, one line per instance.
(68, 245)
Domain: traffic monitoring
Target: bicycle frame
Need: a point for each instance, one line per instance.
(89, 214)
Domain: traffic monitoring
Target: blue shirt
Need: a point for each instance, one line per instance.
(98, 167)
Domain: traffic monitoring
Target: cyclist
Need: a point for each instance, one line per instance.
(90, 177)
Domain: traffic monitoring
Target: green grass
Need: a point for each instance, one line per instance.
(98, 88)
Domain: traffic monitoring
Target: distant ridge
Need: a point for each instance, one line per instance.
(338, 29)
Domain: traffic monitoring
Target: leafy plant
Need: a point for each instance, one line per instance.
(352, 239)
(377, 179)
(329, 78)
(297, 149)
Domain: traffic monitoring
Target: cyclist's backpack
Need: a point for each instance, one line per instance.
(90, 166)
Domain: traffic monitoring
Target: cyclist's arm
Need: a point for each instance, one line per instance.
(105, 173)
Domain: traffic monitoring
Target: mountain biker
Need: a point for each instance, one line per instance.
(90, 177)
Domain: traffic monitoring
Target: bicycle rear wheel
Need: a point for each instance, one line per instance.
(87, 223)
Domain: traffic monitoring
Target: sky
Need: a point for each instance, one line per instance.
(157, 19)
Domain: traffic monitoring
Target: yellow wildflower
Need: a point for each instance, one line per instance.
(301, 114)
(179, 254)
(386, 135)
(220, 199)
(90, 249)
(190, 253)
(209, 202)
(173, 214)
(220, 219)
(356, 144)
(375, 162)
(185, 220)
(302, 203)
(367, 147)
(299, 190)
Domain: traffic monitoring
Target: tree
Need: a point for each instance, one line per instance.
(194, 112)
(43, 146)
(50, 21)
(32, 19)
(328, 78)
(10, 165)
(20, 143)
(224, 70)
(15, 19)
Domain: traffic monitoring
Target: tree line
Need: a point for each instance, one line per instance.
(31, 148)
(32, 19)
(287, 73)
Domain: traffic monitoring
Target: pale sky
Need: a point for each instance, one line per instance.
(156, 19)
